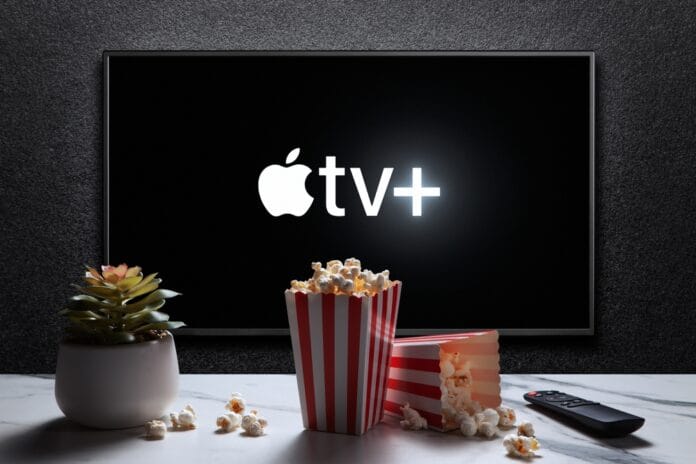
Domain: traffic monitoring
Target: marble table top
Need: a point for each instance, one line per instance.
(32, 428)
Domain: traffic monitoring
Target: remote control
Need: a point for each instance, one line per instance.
(605, 421)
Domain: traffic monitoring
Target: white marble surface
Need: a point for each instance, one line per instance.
(32, 428)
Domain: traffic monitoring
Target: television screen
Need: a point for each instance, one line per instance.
(469, 176)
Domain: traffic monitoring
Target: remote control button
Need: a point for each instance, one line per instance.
(584, 403)
(558, 398)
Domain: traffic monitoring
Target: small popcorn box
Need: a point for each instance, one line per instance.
(341, 346)
(440, 375)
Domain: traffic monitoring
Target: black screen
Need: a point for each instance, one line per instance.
(505, 137)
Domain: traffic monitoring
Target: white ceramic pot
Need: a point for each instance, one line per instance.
(117, 386)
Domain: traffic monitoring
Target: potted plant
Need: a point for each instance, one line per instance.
(117, 365)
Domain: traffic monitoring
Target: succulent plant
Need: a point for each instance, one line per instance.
(118, 305)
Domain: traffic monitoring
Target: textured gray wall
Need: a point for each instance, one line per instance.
(50, 154)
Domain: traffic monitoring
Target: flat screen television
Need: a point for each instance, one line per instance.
(469, 175)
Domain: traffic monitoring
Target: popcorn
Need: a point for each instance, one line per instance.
(520, 445)
(247, 420)
(155, 430)
(253, 424)
(525, 429)
(507, 416)
(487, 429)
(229, 422)
(487, 416)
(484, 422)
(334, 265)
(343, 278)
(255, 429)
(467, 425)
(412, 419)
(455, 378)
(185, 419)
(236, 403)
(347, 286)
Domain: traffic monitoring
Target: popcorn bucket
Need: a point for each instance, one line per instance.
(416, 373)
(341, 346)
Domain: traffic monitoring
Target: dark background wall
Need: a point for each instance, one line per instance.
(50, 155)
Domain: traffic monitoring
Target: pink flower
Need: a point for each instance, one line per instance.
(112, 274)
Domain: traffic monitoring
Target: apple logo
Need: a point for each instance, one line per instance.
(282, 189)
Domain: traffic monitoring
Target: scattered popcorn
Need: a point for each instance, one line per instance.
(229, 422)
(253, 424)
(507, 416)
(488, 416)
(343, 278)
(247, 420)
(255, 429)
(484, 422)
(520, 445)
(155, 430)
(467, 425)
(185, 419)
(236, 403)
(526, 429)
(412, 419)
(487, 429)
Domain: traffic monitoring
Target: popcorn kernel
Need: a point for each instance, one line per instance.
(155, 430)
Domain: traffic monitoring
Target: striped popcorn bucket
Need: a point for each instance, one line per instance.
(414, 373)
(341, 346)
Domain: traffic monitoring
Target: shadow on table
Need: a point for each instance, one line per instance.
(626, 443)
(60, 439)
(380, 444)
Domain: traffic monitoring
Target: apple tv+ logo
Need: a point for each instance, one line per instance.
(282, 189)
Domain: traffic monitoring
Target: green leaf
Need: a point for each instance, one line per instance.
(116, 338)
(85, 303)
(169, 325)
(128, 283)
(151, 298)
(134, 271)
(79, 314)
(141, 306)
(100, 292)
(163, 293)
(156, 316)
(135, 292)
(147, 318)
(146, 280)
(147, 309)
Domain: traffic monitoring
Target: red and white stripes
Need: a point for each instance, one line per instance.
(341, 346)
(414, 374)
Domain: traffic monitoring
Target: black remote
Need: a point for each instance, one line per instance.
(603, 420)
